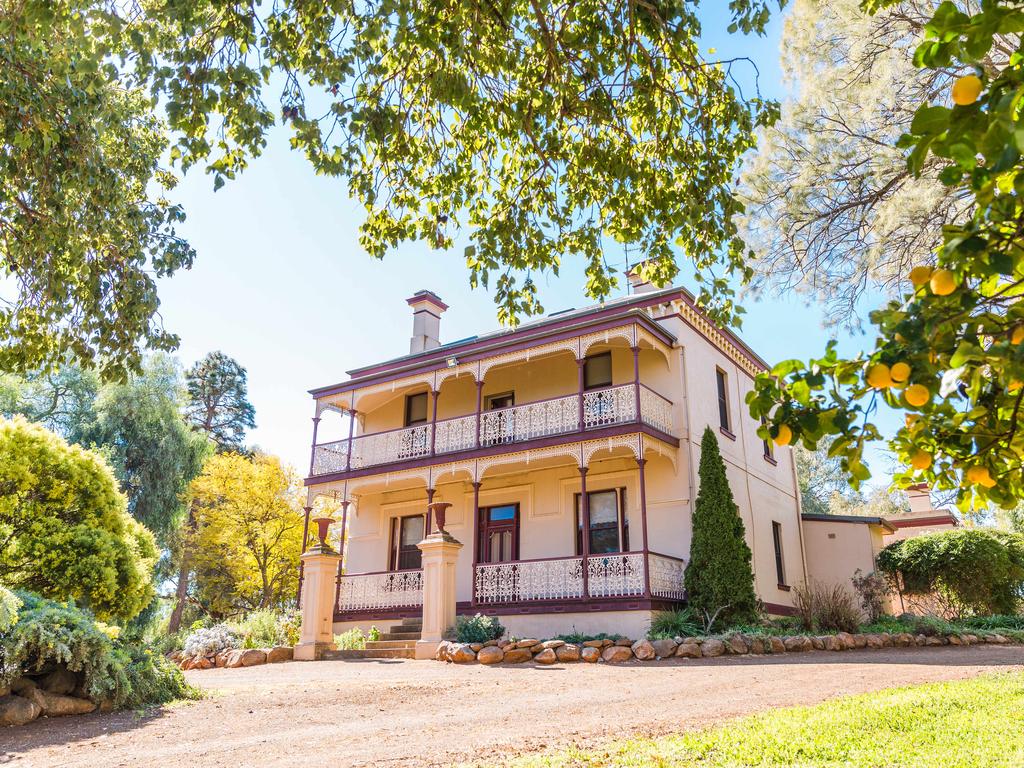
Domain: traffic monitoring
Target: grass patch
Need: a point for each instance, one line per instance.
(976, 723)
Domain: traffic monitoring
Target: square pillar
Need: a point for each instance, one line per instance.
(440, 551)
(319, 589)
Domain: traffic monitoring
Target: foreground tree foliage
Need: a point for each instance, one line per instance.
(951, 352)
(81, 238)
(719, 577)
(64, 529)
(248, 534)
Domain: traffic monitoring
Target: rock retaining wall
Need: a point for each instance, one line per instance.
(623, 649)
(233, 658)
(54, 694)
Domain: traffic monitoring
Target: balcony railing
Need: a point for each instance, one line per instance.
(518, 424)
(608, 576)
(379, 591)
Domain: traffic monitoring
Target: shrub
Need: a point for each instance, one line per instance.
(719, 577)
(873, 589)
(215, 639)
(824, 608)
(289, 625)
(352, 640)
(966, 571)
(48, 633)
(478, 629)
(995, 623)
(578, 638)
(676, 623)
(9, 605)
(374, 634)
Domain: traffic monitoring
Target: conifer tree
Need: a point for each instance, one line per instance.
(719, 577)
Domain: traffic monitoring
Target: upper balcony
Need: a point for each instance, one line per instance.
(508, 398)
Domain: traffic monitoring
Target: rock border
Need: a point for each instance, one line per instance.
(233, 658)
(511, 651)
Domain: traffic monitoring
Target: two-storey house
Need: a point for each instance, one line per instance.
(567, 450)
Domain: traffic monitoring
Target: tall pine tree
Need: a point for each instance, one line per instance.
(719, 576)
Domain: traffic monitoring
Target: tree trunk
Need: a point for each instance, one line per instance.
(181, 594)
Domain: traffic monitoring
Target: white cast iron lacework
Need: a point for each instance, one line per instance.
(330, 457)
(530, 421)
(615, 575)
(455, 434)
(667, 576)
(530, 580)
(604, 407)
(401, 589)
(399, 445)
(655, 410)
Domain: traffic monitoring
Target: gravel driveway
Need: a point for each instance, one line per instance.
(408, 713)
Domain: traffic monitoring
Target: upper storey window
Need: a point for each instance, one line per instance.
(597, 371)
(416, 409)
(723, 399)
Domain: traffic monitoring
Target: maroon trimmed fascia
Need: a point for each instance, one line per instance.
(497, 450)
(479, 350)
(922, 522)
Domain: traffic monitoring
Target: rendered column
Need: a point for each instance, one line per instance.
(440, 552)
(320, 567)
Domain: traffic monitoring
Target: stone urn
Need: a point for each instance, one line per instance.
(439, 508)
(323, 527)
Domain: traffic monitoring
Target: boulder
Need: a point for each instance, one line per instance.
(873, 641)
(593, 643)
(441, 654)
(17, 710)
(834, 643)
(61, 681)
(568, 652)
(252, 657)
(664, 648)
(537, 648)
(490, 643)
(527, 643)
(552, 644)
(490, 654)
(517, 655)
(221, 659)
(234, 659)
(58, 705)
(279, 653)
(818, 642)
(712, 647)
(643, 650)
(955, 640)
(617, 653)
(547, 656)
(970, 639)
(23, 685)
(590, 654)
(860, 641)
(463, 653)
(757, 646)
(688, 650)
(777, 645)
(624, 642)
(1000, 640)
(797, 643)
(847, 640)
(475, 647)
(737, 645)
(205, 662)
(886, 640)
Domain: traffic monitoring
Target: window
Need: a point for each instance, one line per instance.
(504, 400)
(609, 529)
(597, 371)
(723, 399)
(499, 533)
(768, 450)
(416, 409)
(406, 533)
(780, 568)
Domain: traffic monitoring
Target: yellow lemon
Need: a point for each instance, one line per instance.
(920, 275)
(917, 395)
(966, 90)
(784, 436)
(943, 282)
(1018, 335)
(879, 376)
(980, 476)
(900, 372)
(920, 460)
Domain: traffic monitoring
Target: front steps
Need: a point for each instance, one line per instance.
(397, 643)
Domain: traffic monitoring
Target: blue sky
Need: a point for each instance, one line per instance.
(281, 283)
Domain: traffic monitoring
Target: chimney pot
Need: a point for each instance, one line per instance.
(427, 309)
(637, 283)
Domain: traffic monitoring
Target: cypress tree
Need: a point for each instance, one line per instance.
(719, 577)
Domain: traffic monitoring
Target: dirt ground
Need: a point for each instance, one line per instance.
(407, 713)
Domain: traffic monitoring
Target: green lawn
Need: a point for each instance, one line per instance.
(977, 722)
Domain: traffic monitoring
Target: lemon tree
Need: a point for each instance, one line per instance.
(950, 352)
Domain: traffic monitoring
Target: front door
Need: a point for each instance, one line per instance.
(499, 533)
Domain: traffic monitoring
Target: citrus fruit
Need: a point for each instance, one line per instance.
(981, 476)
(900, 372)
(917, 395)
(943, 282)
(920, 460)
(784, 436)
(966, 90)
(1018, 335)
(879, 376)
(920, 275)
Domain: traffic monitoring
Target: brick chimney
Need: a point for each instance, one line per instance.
(638, 284)
(427, 309)
(920, 498)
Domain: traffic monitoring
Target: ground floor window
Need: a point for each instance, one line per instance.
(499, 533)
(609, 527)
(406, 533)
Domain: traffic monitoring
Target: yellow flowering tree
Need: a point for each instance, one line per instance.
(248, 534)
(65, 531)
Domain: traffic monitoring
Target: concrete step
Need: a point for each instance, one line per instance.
(400, 635)
(393, 653)
(415, 621)
(385, 645)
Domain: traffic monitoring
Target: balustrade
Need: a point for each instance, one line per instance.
(519, 424)
(375, 591)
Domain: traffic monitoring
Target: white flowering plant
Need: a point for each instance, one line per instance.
(210, 640)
